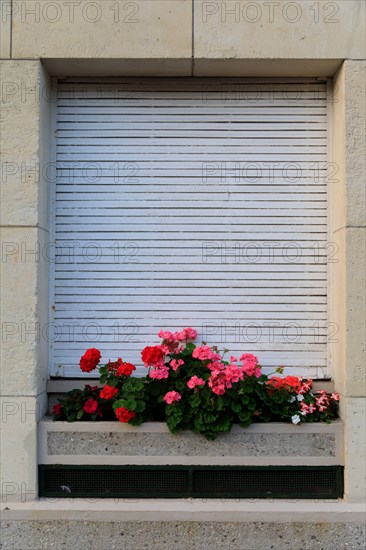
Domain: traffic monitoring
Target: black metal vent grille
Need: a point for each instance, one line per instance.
(191, 481)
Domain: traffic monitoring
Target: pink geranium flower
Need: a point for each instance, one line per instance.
(166, 335)
(250, 365)
(194, 382)
(216, 365)
(160, 372)
(205, 353)
(191, 333)
(234, 373)
(176, 364)
(171, 397)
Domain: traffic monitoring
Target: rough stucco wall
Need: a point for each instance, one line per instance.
(183, 535)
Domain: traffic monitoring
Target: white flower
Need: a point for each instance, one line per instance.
(300, 397)
(292, 399)
(295, 419)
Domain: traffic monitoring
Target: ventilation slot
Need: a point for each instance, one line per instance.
(191, 481)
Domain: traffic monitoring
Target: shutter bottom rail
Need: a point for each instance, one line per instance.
(302, 482)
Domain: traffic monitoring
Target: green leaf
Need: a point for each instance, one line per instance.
(180, 385)
(210, 417)
(130, 404)
(80, 414)
(236, 407)
(244, 416)
(194, 400)
(140, 406)
(118, 404)
(173, 422)
(136, 421)
(245, 399)
(188, 349)
(220, 403)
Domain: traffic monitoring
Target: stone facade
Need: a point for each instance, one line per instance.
(165, 38)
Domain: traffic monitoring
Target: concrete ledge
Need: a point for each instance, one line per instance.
(202, 67)
(152, 443)
(144, 67)
(183, 510)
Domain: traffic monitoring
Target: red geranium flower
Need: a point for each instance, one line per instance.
(108, 392)
(124, 415)
(113, 365)
(125, 369)
(57, 409)
(90, 360)
(90, 406)
(152, 355)
(285, 383)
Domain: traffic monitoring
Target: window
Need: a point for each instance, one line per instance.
(190, 202)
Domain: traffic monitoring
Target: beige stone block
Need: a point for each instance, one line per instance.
(337, 188)
(47, 175)
(103, 29)
(355, 114)
(349, 146)
(355, 313)
(24, 106)
(5, 25)
(337, 304)
(354, 415)
(282, 29)
(18, 420)
(349, 312)
(24, 298)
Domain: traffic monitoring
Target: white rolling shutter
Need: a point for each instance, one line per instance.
(187, 202)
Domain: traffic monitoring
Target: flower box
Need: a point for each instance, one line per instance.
(113, 443)
(194, 388)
